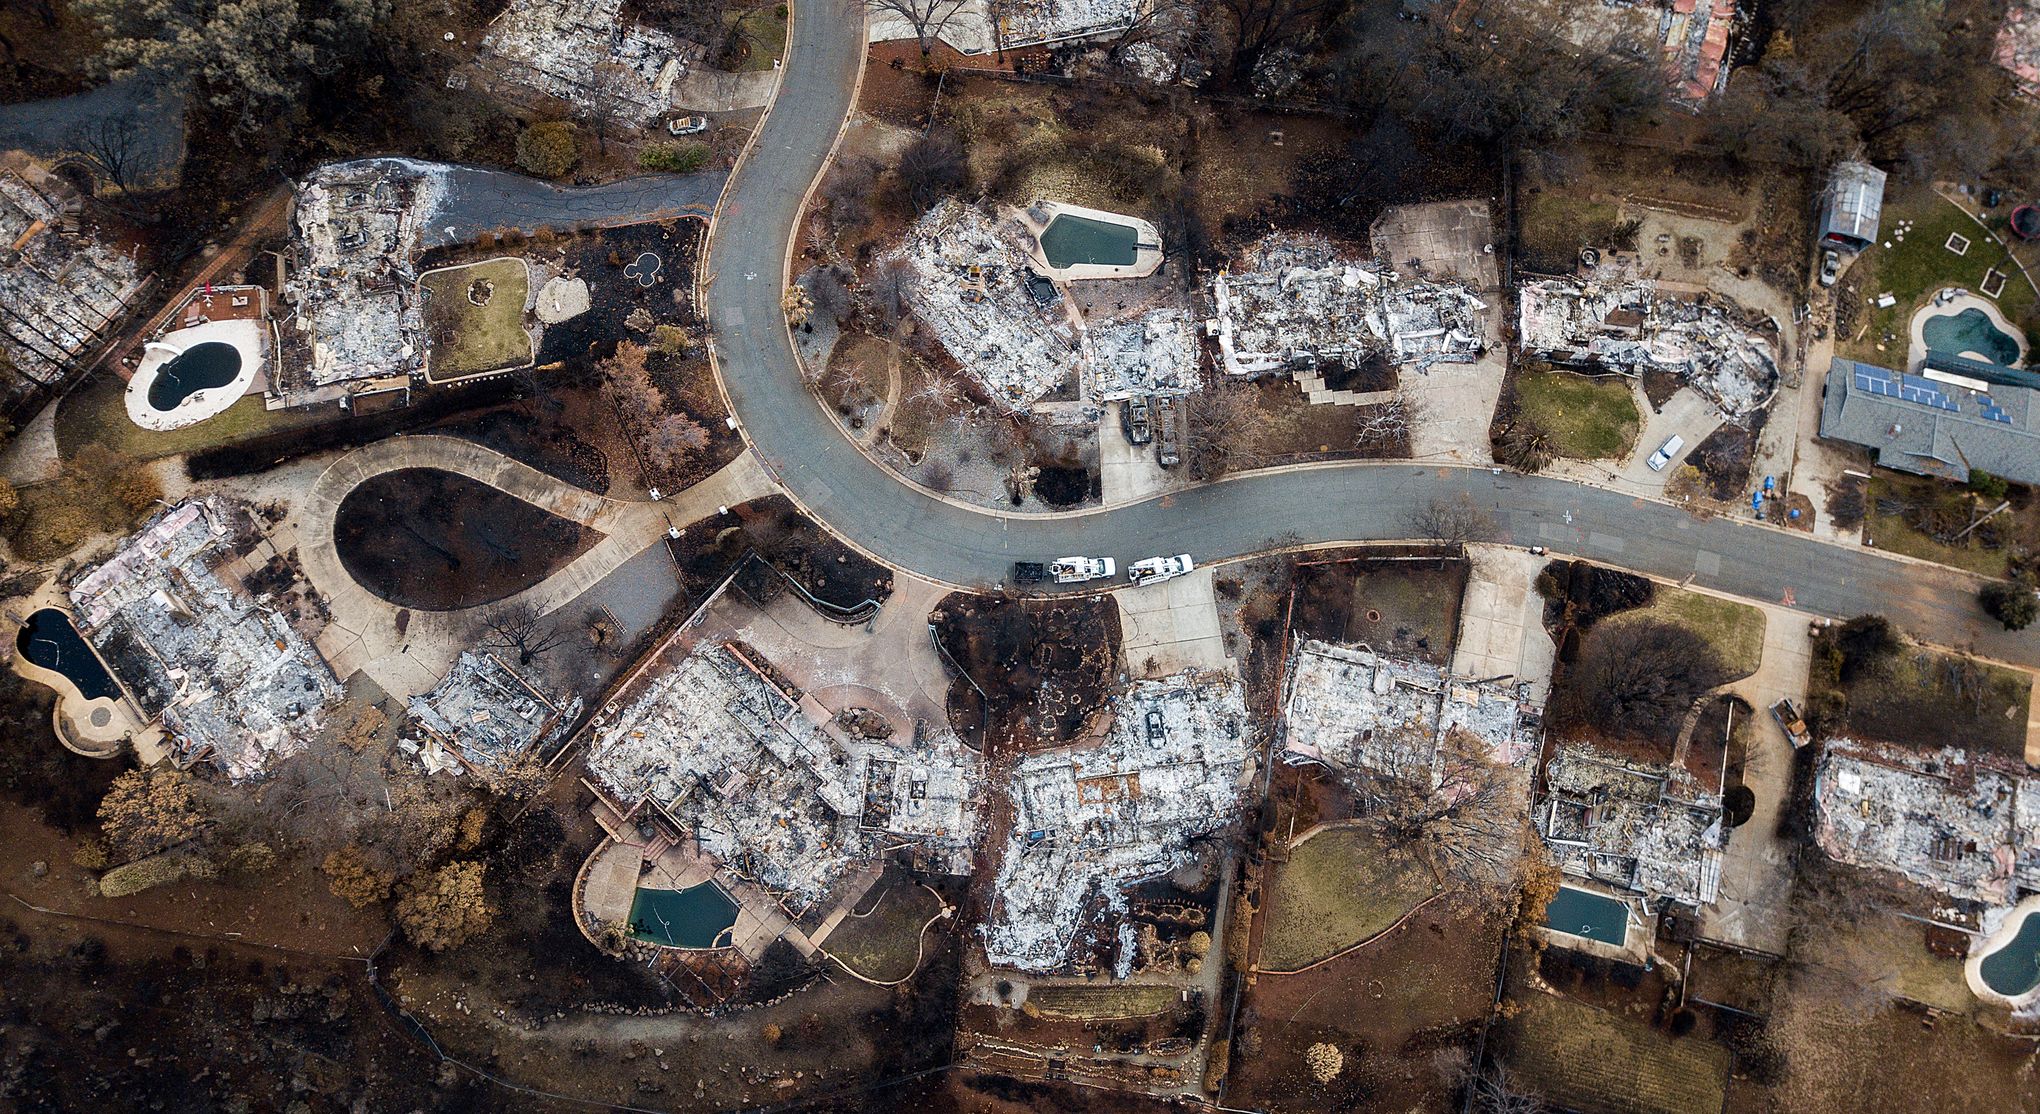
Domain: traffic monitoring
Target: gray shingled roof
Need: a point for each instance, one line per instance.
(1933, 441)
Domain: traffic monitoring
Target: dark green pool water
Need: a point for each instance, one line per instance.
(1589, 915)
(1969, 331)
(48, 639)
(207, 364)
(696, 917)
(1069, 240)
(2014, 969)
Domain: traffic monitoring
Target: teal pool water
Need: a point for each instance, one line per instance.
(2014, 969)
(201, 367)
(696, 917)
(1069, 240)
(1970, 331)
(1588, 915)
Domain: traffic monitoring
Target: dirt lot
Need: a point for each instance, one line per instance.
(1388, 1007)
(1035, 673)
(439, 541)
(1920, 698)
(1397, 606)
(790, 542)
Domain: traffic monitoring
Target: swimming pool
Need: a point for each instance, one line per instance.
(1970, 331)
(1588, 915)
(2014, 968)
(696, 917)
(1070, 240)
(48, 639)
(202, 366)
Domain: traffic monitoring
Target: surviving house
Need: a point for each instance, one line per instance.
(1956, 416)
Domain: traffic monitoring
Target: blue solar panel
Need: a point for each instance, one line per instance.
(1873, 380)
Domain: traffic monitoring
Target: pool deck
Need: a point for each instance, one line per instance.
(1036, 218)
(1635, 946)
(96, 728)
(1916, 353)
(612, 875)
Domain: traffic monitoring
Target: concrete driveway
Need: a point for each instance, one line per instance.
(1173, 625)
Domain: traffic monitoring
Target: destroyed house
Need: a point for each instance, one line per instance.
(482, 717)
(1360, 712)
(1644, 829)
(1089, 821)
(229, 676)
(1851, 206)
(585, 53)
(720, 751)
(1956, 416)
(60, 287)
(1963, 825)
(1630, 326)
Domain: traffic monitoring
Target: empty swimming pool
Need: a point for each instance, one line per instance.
(696, 917)
(1588, 915)
(2014, 969)
(1070, 240)
(1970, 331)
(48, 639)
(202, 366)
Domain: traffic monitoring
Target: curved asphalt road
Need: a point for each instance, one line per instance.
(915, 530)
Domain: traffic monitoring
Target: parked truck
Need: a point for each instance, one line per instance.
(1154, 570)
(1168, 433)
(1788, 717)
(1076, 570)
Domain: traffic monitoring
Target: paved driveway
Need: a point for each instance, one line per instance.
(480, 200)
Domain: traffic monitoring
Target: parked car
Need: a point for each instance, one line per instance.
(1830, 267)
(1076, 570)
(1133, 418)
(687, 125)
(1029, 572)
(1154, 570)
(1788, 717)
(1665, 452)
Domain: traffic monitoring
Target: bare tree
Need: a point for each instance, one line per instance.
(1497, 1091)
(1453, 807)
(1642, 675)
(674, 440)
(928, 18)
(933, 167)
(1229, 429)
(889, 287)
(522, 630)
(1454, 521)
(114, 146)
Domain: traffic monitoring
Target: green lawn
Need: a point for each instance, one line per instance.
(1338, 888)
(465, 338)
(1587, 419)
(1735, 630)
(1913, 269)
(884, 945)
(97, 414)
(762, 32)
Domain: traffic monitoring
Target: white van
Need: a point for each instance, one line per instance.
(1666, 452)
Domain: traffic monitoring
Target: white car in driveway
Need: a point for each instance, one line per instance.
(1666, 452)
(1154, 570)
(1076, 570)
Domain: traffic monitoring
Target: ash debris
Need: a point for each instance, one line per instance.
(358, 227)
(772, 793)
(481, 718)
(230, 674)
(1628, 326)
(984, 26)
(582, 53)
(1956, 823)
(1357, 711)
(972, 283)
(1295, 303)
(61, 286)
(1088, 822)
(1649, 830)
(1149, 354)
